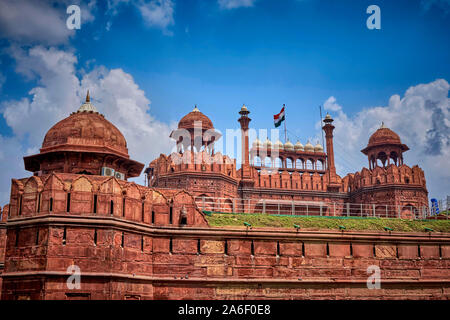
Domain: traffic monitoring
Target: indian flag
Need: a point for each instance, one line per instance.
(278, 118)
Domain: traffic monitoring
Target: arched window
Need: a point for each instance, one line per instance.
(382, 157)
(268, 162)
(319, 165)
(257, 161)
(309, 164)
(299, 164)
(394, 156)
(278, 163)
(289, 163)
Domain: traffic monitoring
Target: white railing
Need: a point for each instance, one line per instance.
(316, 208)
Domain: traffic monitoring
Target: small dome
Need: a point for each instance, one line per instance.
(288, 146)
(278, 145)
(188, 121)
(267, 144)
(328, 117)
(318, 148)
(299, 147)
(309, 147)
(384, 135)
(257, 143)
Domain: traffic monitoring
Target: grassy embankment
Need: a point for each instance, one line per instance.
(316, 223)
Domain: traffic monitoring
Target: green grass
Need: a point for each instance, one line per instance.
(316, 223)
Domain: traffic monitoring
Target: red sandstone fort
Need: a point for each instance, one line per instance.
(154, 242)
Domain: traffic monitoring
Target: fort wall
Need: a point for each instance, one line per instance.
(134, 242)
(121, 259)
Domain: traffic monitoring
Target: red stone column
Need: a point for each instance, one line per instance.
(244, 120)
(328, 128)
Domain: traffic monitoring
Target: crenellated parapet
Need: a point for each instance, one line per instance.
(291, 180)
(403, 175)
(99, 196)
(201, 173)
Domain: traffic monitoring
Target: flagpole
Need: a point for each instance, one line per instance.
(285, 134)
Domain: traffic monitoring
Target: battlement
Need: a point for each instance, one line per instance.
(191, 162)
(86, 195)
(282, 178)
(392, 174)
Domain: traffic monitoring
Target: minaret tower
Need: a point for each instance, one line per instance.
(331, 169)
(244, 120)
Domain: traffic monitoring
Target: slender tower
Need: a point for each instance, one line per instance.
(244, 120)
(332, 179)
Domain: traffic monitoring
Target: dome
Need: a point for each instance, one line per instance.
(318, 148)
(85, 130)
(309, 147)
(267, 144)
(84, 142)
(299, 147)
(278, 145)
(188, 121)
(384, 136)
(257, 143)
(288, 146)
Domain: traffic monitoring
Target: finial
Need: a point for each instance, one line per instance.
(195, 109)
(87, 106)
(382, 125)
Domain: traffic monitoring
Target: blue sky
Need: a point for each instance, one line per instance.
(221, 54)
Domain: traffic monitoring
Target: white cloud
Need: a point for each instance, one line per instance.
(42, 22)
(59, 92)
(331, 104)
(53, 99)
(421, 118)
(158, 13)
(155, 13)
(39, 21)
(233, 4)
